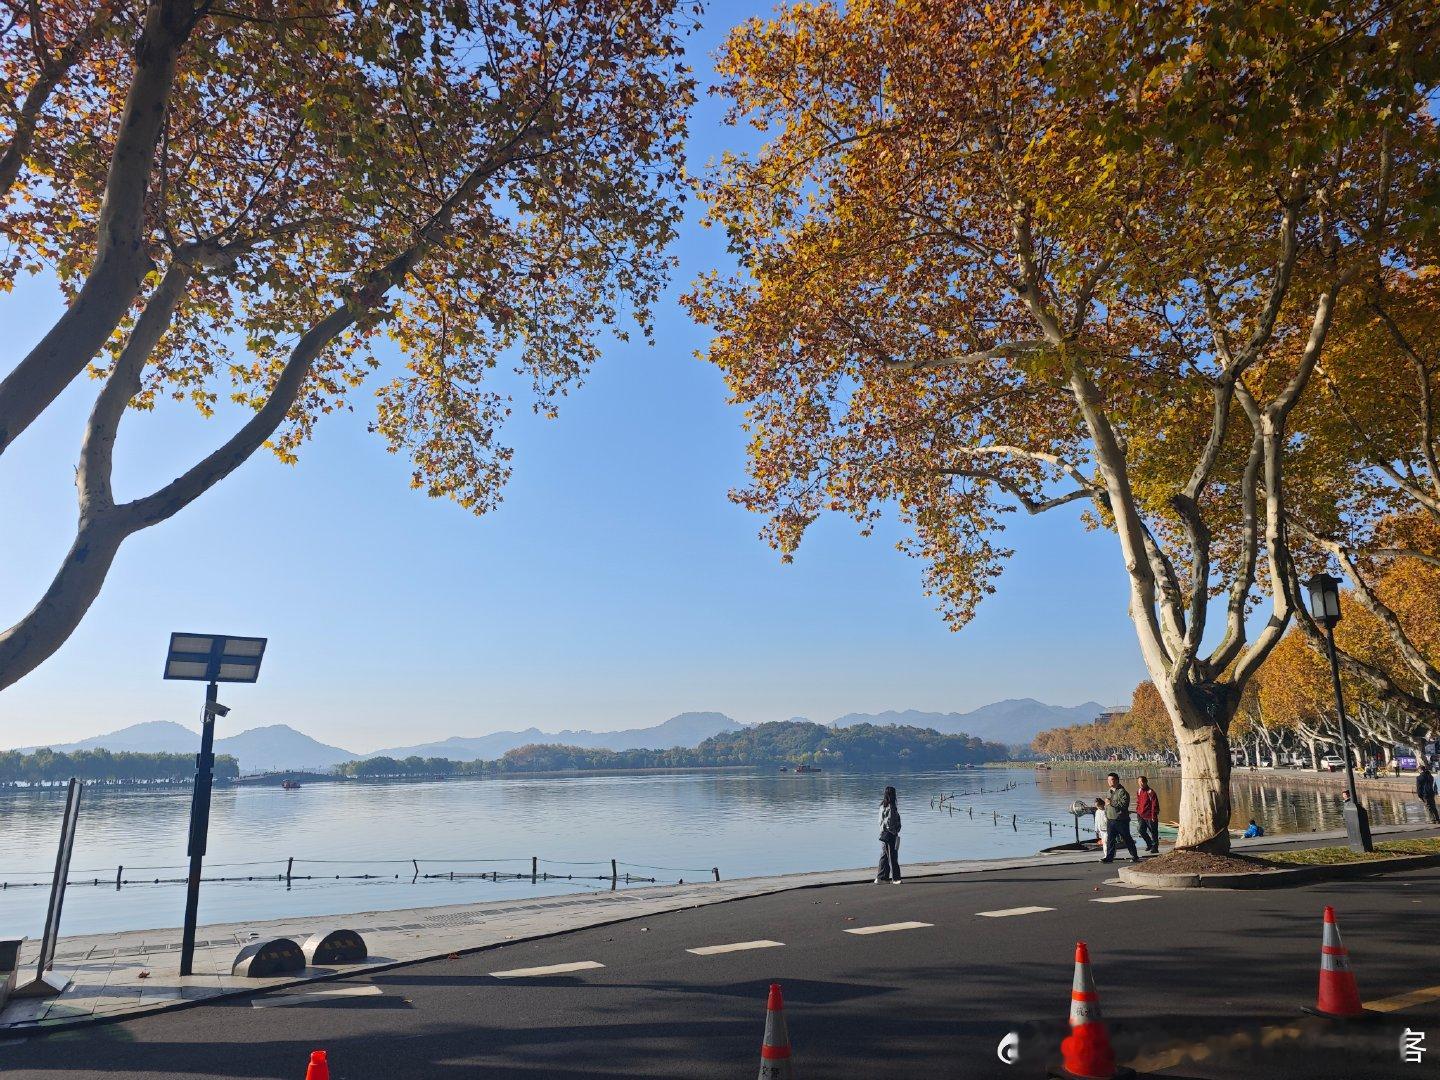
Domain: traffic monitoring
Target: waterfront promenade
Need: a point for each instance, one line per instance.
(951, 963)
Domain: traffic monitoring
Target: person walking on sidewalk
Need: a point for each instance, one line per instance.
(1147, 809)
(889, 839)
(1117, 820)
(1425, 788)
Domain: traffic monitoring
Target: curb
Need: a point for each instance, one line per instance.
(1276, 879)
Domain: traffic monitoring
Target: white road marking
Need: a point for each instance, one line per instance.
(365, 990)
(1121, 899)
(739, 946)
(552, 969)
(1005, 912)
(886, 928)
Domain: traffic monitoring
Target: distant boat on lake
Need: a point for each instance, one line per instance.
(807, 768)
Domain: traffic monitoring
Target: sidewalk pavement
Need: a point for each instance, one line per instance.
(125, 974)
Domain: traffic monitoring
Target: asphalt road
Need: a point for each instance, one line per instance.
(1193, 984)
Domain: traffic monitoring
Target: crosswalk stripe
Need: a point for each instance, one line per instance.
(552, 969)
(739, 946)
(1004, 912)
(1404, 1001)
(276, 1000)
(886, 928)
(1121, 899)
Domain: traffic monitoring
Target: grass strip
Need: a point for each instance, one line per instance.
(1333, 856)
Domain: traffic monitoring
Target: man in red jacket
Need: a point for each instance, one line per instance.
(1147, 809)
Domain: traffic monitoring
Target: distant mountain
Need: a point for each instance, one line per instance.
(278, 746)
(151, 737)
(260, 749)
(1014, 720)
(688, 729)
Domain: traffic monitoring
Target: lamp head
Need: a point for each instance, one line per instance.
(1324, 599)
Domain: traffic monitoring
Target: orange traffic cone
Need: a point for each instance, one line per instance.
(319, 1068)
(775, 1050)
(1087, 1050)
(1339, 997)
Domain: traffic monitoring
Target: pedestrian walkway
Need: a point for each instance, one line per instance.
(124, 974)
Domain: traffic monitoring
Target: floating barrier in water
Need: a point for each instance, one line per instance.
(288, 877)
(947, 802)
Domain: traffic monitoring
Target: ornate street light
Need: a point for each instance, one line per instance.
(1325, 609)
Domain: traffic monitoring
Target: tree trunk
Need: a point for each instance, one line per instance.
(1205, 765)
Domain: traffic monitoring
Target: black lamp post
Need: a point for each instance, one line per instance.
(212, 659)
(1325, 609)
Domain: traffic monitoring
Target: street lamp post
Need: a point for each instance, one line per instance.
(212, 659)
(1325, 609)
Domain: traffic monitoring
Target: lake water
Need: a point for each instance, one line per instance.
(663, 825)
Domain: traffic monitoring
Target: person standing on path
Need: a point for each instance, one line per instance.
(1425, 788)
(1117, 820)
(889, 839)
(1101, 839)
(1147, 809)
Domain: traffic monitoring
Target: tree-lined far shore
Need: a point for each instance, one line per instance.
(857, 748)
(45, 766)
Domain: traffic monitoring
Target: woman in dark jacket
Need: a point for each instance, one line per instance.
(889, 839)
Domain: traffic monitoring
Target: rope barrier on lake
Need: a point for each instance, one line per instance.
(997, 818)
(116, 877)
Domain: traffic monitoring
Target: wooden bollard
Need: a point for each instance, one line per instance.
(416, 863)
(289, 868)
(534, 868)
(118, 871)
(614, 874)
(1014, 819)
(994, 817)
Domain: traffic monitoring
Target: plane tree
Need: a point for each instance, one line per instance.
(1007, 256)
(239, 200)
(1376, 418)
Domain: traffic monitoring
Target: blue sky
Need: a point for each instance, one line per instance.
(614, 587)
